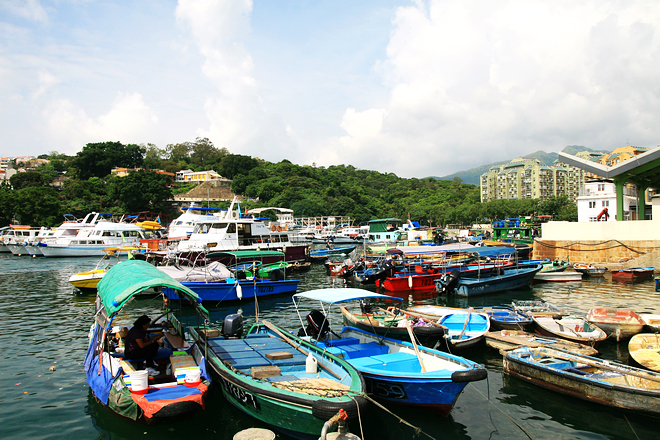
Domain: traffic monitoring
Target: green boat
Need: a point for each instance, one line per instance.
(280, 379)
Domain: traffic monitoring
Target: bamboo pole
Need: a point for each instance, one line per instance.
(414, 343)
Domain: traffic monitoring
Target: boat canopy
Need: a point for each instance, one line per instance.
(126, 279)
(338, 295)
(245, 254)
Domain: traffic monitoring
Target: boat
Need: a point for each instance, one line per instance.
(571, 328)
(234, 231)
(633, 273)
(18, 236)
(3, 248)
(465, 330)
(507, 279)
(119, 384)
(391, 322)
(617, 323)
(243, 283)
(182, 227)
(644, 348)
(505, 317)
(91, 241)
(605, 382)
(511, 339)
(211, 271)
(279, 379)
(88, 280)
(561, 277)
(651, 322)
(590, 269)
(325, 253)
(394, 371)
(537, 308)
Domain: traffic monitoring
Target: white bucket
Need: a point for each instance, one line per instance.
(139, 381)
(193, 376)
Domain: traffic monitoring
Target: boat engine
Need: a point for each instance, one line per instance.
(450, 281)
(232, 327)
(317, 325)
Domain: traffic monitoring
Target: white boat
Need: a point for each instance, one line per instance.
(565, 276)
(3, 248)
(68, 229)
(232, 231)
(17, 237)
(651, 322)
(91, 242)
(183, 226)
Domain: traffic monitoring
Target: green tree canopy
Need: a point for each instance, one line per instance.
(98, 159)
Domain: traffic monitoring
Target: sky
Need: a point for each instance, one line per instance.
(415, 88)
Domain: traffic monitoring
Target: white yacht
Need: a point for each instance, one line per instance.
(90, 242)
(232, 231)
(68, 229)
(17, 236)
(183, 226)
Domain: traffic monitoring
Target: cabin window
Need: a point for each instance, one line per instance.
(592, 204)
(231, 229)
(606, 203)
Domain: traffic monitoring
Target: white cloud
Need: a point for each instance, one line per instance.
(495, 80)
(129, 120)
(46, 81)
(30, 9)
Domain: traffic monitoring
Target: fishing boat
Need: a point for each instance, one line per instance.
(644, 348)
(394, 371)
(537, 308)
(325, 253)
(651, 322)
(465, 330)
(617, 323)
(505, 317)
(506, 279)
(249, 279)
(558, 277)
(633, 273)
(571, 328)
(590, 269)
(391, 321)
(283, 381)
(605, 382)
(511, 339)
(120, 384)
(88, 280)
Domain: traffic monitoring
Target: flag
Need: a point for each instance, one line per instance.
(158, 220)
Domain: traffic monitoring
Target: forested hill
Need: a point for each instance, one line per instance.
(87, 185)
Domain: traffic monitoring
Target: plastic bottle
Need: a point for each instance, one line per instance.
(311, 364)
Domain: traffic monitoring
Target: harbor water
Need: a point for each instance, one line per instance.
(44, 323)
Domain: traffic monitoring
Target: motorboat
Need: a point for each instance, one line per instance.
(183, 226)
(89, 279)
(617, 323)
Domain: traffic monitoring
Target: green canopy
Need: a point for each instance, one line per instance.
(245, 254)
(126, 279)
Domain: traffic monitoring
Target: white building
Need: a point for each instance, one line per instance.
(597, 201)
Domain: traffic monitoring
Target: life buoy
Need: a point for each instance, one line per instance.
(279, 229)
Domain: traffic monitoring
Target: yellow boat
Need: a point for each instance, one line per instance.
(150, 225)
(644, 348)
(89, 279)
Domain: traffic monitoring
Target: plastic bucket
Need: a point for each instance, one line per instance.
(140, 382)
(193, 377)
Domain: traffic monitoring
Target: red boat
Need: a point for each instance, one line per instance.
(633, 273)
(424, 279)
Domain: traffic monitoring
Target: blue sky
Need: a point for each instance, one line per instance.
(415, 88)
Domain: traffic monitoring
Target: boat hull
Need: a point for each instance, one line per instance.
(558, 276)
(569, 328)
(510, 279)
(224, 291)
(617, 323)
(511, 339)
(606, 391)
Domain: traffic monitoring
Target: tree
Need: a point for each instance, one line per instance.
(204, 153)
(140, 191)
(98, 159)
(29, 179)
(38, 206)
(179, 152)
(234, 164)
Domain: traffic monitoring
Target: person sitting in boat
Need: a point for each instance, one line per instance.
(139, 345)
(328, 245)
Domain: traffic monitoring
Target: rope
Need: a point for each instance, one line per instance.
(417, 430)
(620, 244)
(359, 415)
(631, 428)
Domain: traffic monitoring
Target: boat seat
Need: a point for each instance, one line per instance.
(353, 351)
(338, 342)
(401, 362)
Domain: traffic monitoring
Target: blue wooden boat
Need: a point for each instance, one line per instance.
(465, 330)
(121, 385)
(507, 279)
(505, 318)
(395, 371)
(232, 289)
(281, 380)
(596, 380)
(323, 254)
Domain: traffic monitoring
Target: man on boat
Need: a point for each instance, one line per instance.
(139, 345)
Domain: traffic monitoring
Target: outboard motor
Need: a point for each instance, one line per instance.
(451, 281)
(365, 306)
(317, 325)
(276, 275)
(232, 327)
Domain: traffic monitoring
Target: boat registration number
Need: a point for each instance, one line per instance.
(240, 395)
